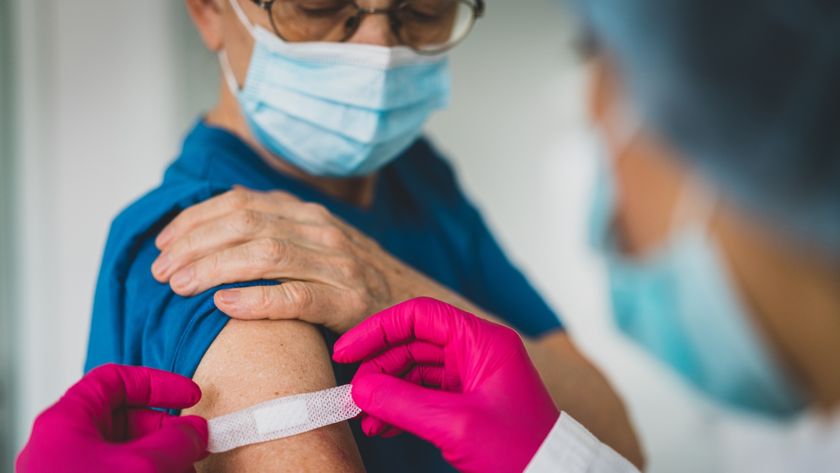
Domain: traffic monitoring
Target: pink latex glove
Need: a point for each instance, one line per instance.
(101, 425)
(459, 382)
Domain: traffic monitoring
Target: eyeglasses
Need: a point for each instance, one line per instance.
(427, 26)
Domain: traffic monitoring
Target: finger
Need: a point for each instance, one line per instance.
(140, 422)
(307, 301)
(239, 198)
(400, 359)
(422, 319)
(177, 445)
(371, 425)
(277, 202)
(225, 232)
(424, 412)
(265, 258)
(421, 375)
(112, 386)
(390, 432)
(374, 427)
(429, 376)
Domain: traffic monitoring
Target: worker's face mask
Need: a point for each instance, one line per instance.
(681, 305)
(336, 109)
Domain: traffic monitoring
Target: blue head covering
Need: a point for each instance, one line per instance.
(746, 90)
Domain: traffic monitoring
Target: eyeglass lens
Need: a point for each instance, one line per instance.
(420, 24)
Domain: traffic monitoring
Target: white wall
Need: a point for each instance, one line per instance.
(105, 89)
(97, 99)
(7, 381)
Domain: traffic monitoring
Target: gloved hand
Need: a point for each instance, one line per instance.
(461, 383)
(101, 425)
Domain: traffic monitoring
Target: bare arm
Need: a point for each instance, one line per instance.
(252, 362)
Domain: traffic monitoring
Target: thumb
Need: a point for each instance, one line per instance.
(426, 413)
(177, 445)
(287, 301)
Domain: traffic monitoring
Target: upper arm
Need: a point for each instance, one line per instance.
(252, 362)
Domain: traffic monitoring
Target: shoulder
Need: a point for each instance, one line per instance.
(426, 171)
(137, 320)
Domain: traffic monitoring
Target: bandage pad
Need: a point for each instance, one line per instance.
(281, 417)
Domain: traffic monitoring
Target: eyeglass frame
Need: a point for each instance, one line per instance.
(478, 8)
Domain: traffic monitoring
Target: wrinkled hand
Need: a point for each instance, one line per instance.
(461, 383)
(102, 425)
(331, 274)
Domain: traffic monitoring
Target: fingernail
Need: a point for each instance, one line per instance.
(183, 279)
(161, 265)
(230, 296)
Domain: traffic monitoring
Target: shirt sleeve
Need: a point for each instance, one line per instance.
(570, 448)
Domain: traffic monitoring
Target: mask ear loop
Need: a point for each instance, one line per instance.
(243, 18)
(227, 73)
(224, 62)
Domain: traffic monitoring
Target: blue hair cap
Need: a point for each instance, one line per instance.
(747, 91)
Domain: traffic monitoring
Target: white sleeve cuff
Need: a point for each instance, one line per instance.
(570, 448)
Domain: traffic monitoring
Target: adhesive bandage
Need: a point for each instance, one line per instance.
(281, 417)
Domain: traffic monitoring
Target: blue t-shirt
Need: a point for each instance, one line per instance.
(419, 214)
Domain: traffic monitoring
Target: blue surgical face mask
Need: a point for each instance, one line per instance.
(681, 305)
(336, 109)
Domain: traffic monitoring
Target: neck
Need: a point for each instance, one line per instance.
(796, 298)
(356, 191)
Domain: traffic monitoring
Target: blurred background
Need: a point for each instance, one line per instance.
(95, 96)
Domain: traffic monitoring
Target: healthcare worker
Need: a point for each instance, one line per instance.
(718, 209)
(103, 424)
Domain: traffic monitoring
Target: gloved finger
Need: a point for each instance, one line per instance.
(390, 432)
(264, 258)
(375, 427)
(399, 359)
(421, 375)
(429, 376)
(371, 425)
(424, 412)
(131, 422)
(238, 198)
(422, 319)
(109, 387)
(23, 460)
(140, 422)
(177, 445)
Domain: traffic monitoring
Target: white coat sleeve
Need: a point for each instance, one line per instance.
(570, 448)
